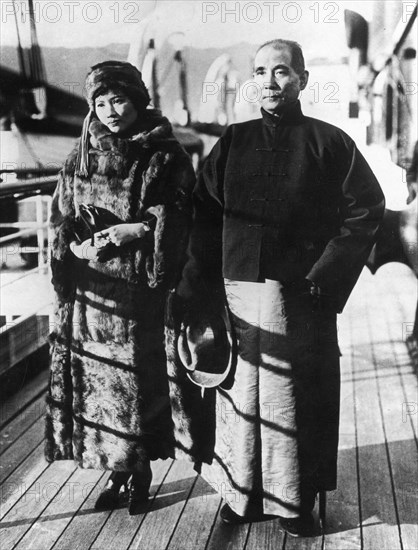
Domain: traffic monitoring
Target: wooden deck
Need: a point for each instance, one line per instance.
(375, 507)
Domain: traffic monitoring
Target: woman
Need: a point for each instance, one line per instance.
(108, 400)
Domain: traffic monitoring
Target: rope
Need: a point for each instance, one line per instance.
(37, 66)
(19, 46)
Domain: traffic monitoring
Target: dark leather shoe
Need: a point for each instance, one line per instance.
(229, 516)
(138, 498)
(302, 526)
(232, 518)
(109, 497)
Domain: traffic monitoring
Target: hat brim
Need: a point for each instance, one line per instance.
(208, 379)
(217, 375)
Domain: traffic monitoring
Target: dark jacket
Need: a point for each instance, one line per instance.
(285, 198)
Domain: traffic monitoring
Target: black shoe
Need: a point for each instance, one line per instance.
(138, 498)
(302, 526)
(232, 518)
(109, 498)
(139, 490)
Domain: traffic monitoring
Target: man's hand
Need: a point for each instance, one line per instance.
(120, 234)
(321, 300)
(84, 250)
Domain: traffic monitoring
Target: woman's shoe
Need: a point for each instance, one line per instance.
(138, 496)
(109, 497)
(139, 489)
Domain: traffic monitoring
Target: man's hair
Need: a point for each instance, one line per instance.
(298, 62)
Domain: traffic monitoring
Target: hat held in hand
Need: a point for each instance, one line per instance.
(205, 348)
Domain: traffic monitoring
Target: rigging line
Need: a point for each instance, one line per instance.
(19, 46)
(178, 57)
(38, 68)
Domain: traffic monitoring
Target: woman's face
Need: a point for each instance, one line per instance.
(116, 111)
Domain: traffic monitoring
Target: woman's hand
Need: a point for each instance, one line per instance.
(84, 250)
(120, 234)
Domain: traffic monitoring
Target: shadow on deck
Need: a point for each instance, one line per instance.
(51, 506)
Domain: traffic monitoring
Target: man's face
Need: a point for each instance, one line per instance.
(278, 81)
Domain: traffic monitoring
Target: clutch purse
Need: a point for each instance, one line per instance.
(91, 220)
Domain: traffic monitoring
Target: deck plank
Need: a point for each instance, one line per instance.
(198, 517)
(232, 537)
(165, 511)
(14, 429)
(22, 478)
(120, 528)
(400, 314)
(58, 514)
(397, 318)
(342, 517)
(378, 512)
(408, 381)
(20, 400)
(401, 441)
(21, 449)
(30, 506)
(266, 535)
(82, 531)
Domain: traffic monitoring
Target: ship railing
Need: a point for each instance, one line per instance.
(22, 335)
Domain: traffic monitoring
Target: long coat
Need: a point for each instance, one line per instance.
(279, 200)
(108, 401)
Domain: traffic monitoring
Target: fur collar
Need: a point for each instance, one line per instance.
(151, 129)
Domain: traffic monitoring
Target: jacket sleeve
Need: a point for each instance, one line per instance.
(202, 284)
(361, 208)
(171, 213)
(62, 225)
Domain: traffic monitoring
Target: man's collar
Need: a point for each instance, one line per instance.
(291, 114)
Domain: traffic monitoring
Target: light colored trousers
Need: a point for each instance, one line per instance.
(277, 426)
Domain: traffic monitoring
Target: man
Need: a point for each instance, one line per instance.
(286, 210)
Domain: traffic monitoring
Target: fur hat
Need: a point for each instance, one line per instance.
(116, 75)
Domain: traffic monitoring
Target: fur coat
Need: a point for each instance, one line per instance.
(108, 404)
